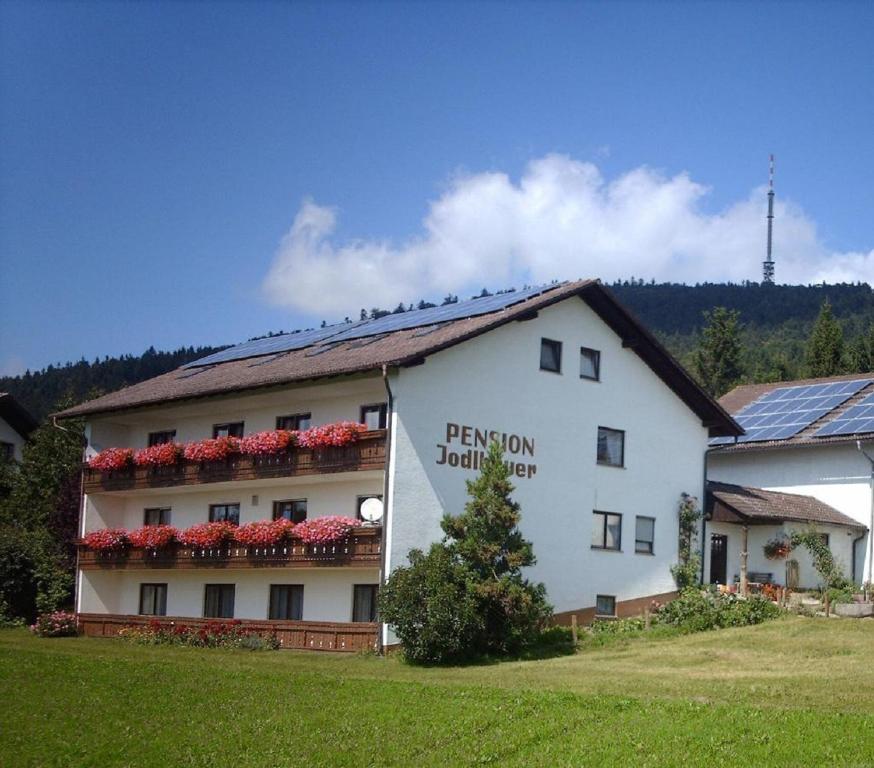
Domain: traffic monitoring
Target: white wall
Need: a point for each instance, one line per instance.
(9, 435)
(837, 475)
(494, 382)
(327, 592)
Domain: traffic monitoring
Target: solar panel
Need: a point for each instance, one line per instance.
(416, 318)
(858, 419)
(783, 412)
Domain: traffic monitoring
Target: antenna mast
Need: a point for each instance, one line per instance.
(768, 263)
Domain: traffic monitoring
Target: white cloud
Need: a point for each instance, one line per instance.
(562, 220)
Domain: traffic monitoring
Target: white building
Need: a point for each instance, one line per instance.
(16, 424)
(807, 438)
(604, 430)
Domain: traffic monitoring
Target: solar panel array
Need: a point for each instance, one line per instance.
(858, 419)
(416, 318)
(783, 412)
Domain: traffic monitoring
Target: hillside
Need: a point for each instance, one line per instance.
(777, 322)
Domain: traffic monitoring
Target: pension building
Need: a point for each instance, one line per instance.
(602, 430)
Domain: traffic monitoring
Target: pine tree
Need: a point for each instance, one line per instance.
(718, 357)
(859, 356)
(825, 350)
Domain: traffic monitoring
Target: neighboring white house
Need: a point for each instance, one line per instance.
(808, 438)
(603, 429)
(16, 424)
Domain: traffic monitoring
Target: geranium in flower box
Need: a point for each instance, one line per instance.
(163, 455)
(112, 459)
(216, 449)
(264, 533)
(325, 530)
(153, 536)
(207, 535)
(106, 540)
(269, 442)
(331, 435)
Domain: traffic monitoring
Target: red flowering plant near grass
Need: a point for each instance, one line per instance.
(163, 455)
(55, 624)
(215, 449)
(112, 459)
(325, 530)
(264, 533)
(107, 540)
(206, 535)
(153, 536)
(271, 441)
(338, 434)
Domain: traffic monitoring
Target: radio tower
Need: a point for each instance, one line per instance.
(768, 263)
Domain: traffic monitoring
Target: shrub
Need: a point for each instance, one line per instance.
(687, 571)
(620, 626)
(112, 459)
(106, 540)
(56, 624)
(433, 607)
(697, 610)
(153, 536)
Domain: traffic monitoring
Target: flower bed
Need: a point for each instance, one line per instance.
(107, 540)
(206, 535)
(163, 455)
(57, 624)
(325, 530)
(153, 536)
(214, 634)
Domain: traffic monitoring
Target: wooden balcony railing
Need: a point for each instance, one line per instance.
(361, 548)
(305, 635)
(368, 452)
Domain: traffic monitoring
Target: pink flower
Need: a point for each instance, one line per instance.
(217, 449)
(111, 459)
(205, 535)
(106, 540)
(153, 536)
(325, 530)
(163, 455)
(338, 434)
(271, 441)
(264, 533)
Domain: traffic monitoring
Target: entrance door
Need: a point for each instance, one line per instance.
(718, 559)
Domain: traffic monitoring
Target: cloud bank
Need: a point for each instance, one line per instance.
(562, 220)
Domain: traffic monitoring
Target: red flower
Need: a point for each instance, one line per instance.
(205, 535)
(111, 459)
(264, 533)
(153, 536)
(325, 530)
(217, 449)
(106, 540)
(341, 433)
(271, 441)
(163, 455)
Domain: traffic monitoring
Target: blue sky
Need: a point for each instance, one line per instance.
(193, 173)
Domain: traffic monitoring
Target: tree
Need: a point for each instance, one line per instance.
(825, 350)
(718, 357)
(467, 596)
(859, 356)
(687, 571)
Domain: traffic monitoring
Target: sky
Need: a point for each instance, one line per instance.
(199, 173)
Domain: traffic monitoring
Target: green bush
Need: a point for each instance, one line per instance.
(620, 626)
(698, 610)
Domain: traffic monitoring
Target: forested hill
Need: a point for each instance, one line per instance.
(776, 319)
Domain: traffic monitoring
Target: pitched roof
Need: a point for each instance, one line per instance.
(408, 347)
(15, 415)
(756, 505)
(740, 397)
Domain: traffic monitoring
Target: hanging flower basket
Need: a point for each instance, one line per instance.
(777, 549)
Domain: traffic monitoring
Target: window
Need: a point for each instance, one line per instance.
(611, 447)
(218, 601)
(159, 438)
(605, 605)
(606, 531)
(364, 602)
(7, 451)
(156, 516)
(824, 538)
(229, 513)
(374, 416)
(362, 499)
(291, 509)
(231, 429)
(550, 355)
(286, 602)
(590, 364)
(296, 421)
(153, 599)
(644, 535)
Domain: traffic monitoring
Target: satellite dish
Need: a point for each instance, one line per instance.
(371, 510)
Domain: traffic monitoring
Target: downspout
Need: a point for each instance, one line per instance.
(386, 489)
(871, 514)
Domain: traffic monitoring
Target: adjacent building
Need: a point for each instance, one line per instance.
(602, 429)
(16, 424)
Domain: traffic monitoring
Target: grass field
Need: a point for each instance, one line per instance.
(791, 692)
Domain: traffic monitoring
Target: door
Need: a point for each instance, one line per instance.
(718, 559)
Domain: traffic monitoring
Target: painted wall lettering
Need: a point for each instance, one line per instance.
(459, 437)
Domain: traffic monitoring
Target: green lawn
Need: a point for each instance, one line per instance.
(792, 692)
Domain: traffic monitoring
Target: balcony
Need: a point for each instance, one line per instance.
(367, 453)
(361, 548)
